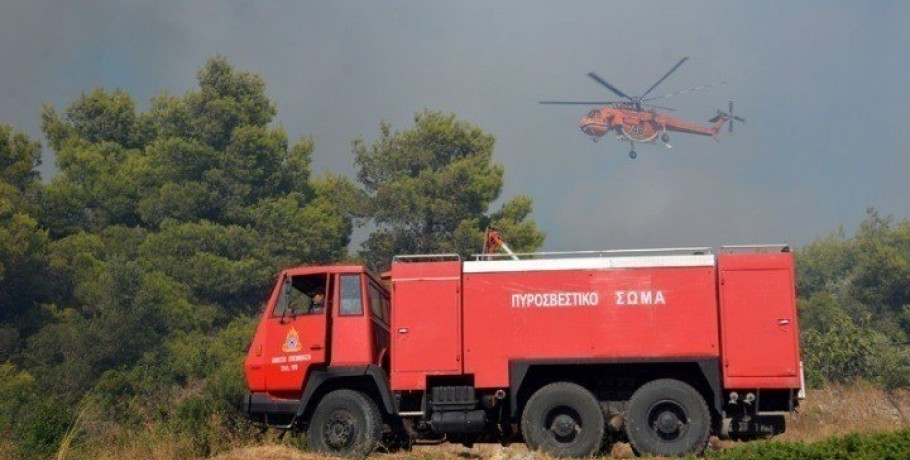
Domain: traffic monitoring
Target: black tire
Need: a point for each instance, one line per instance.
(563, 420)
(346, 423)
(633, 155)
(669, 418)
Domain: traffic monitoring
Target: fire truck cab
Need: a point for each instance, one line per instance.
(563, 350)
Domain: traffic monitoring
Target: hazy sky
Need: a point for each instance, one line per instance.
(823, 86)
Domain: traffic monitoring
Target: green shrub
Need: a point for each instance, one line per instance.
(40, 432)
(881, 446)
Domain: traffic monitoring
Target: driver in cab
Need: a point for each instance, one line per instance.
(307, 303)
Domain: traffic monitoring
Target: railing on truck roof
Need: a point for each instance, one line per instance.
(601, 253)
(451, 257)
(760, 248)
(698, 251)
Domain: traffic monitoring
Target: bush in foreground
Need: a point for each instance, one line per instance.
(881, 446)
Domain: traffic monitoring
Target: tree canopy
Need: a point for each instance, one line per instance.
(130, 282)
(854, 296)
(430, 189)
(160, 231)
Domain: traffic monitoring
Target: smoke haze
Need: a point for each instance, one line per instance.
(823, 86)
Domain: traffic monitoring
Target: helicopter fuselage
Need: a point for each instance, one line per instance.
(640, 125)
(635, 119)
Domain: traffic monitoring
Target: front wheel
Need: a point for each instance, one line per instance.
(564, 420)
(669, 418)
(346, 423)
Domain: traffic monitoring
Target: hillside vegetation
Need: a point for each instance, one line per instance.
(130, 281)
(854, 304)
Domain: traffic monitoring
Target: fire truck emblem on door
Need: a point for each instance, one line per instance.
(291, 342)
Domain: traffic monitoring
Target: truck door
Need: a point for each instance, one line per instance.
(296, 334)
(426, 322)
(758, 315)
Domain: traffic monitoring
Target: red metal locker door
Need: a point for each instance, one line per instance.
(427, 326)
(759, 323)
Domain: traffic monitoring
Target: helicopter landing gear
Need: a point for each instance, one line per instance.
(665, 138)
(632, 154)
(594, 139)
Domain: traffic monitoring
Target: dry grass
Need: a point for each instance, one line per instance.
(270, 452)
(8, 448)
(838, 410)
(143, 445)
(445, 451)
(831, 411)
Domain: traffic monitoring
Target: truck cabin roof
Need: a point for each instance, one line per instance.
(330, 269)
(317, 269)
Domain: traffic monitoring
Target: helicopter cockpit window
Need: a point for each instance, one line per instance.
(594, 113)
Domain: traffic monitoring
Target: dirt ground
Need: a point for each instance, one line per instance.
(827, 412)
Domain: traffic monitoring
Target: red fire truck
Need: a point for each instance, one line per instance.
(566, 351)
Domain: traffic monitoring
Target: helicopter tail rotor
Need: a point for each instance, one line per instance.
(727, 117)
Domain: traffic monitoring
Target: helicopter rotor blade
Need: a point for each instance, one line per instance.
(687, 90)
(609, 86)
(577, 102)
(673, 69)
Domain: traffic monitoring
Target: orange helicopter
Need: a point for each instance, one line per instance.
(635, 121)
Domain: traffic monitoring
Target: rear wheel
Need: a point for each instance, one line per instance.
(668, 417)
(564, 420)
(346, 423)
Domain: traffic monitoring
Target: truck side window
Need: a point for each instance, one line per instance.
(351, 303)
(378, 304)
(386, 310)
(302, 295)
(375, 303)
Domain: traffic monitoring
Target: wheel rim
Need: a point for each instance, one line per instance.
(562, 425)
(668, 420)
(340, 430)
